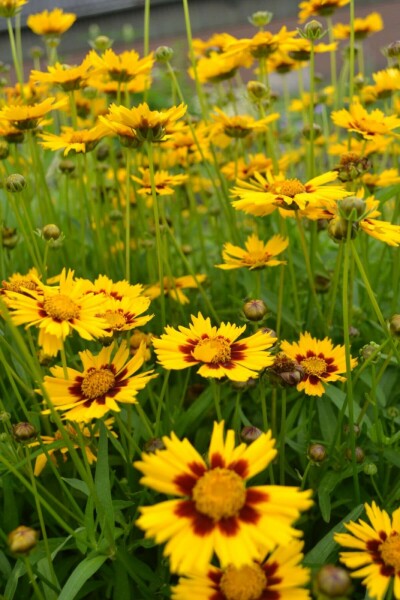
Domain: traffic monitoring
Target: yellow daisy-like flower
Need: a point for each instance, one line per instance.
(20, 283)
(261, 196)
(173, 287)
(58, 311)
(28, 117)
(9, 8)
(120, 67)
(239, 126)
(66, 77)
(164, 182)
(105, 381)
(385, 178)
(145, 124)
(71, 140)
(279, 576)
(123, 315)
(110, 87)
(321, 361)
(216, 43)
(362, 27)
(375, 551)
(387, 82)
(322, 8)
(368, 125)
(262, 45)
(257, 255)
(218, 67)
(301, 49)
(216, 512)
(215, 349)
(51, 23)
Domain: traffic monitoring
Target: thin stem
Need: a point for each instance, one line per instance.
(32, 579)
(17, 65)
(352, 52)
(282, 438)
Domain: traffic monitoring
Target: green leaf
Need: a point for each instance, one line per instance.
(77, 484)
(104, 504)
(327, 420)
(321, 551)
(84, 571)
(194, 413)
(328, 483)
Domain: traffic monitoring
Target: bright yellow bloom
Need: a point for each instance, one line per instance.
(66, 77)
(239, 126)
(9, 8)
(52, 23)
(218, 67)
(261, 195)
(106, 380)
(257, 255)
(216, 43)
(385, 178)
(386, 82)
(216, 512)
(263, 44)
(321, 361)
(173, 287)
(163, 181)
(279, 576)
(215, 349)
(74, 141)
(19, 283)
(362, 27)
(368, 125)
(378, 143)
(301, 49)
(375, 551)
(28, 117)
(120, 67)
(321, 8)
(246, 167)
(324, 96)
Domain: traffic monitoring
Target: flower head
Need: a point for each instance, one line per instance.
(66, 77)
(28, 117)
(71, 140)
(321, 361)
(322, 8)
(375, 550)
(215, 349)
(216, 512)
(362, 27)
(164, 182)
(239, 126)
(9, 8)
(51, 23)
(173, 287)
(368, 125)
(256, 255)
(120, 67)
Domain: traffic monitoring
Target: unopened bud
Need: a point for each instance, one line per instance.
(22, 540)
(102, 152)
(356, 429)
(51, 232)
(163, 54)
(393, 50)
(393, 412)
(312, 30)
(307, 131)
(333, 581)
(102, 43)
(358, 452)
(36, 52)
(394, 325)
(338, 228)
(66, 166)
(250, 434)
(261, 18)
(316, 452)
(24, 431)
(187, 249)
(322, 284)
(255, 310)
(370, 468)
(115, 215)
(257, 90)
(285, 371)
(153, 444)
(4, 150)
(369, 350)
(352, 208)
(15, 183)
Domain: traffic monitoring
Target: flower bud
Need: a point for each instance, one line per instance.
(312, 30)
(128, 33)
(51, 232)
(22, 540)
(285, 371)
(356, 429)
(307, 131)
(66, 166)
(322, 284)
(102, 43)
(370, 468)
(369, 350)
(316, 452)
(15, 183)
(261, 18)
(241, 386)
(24, 431)
(333, 582)
(352, 166)
(338, 228)
(359, 454)
(36, 52)
(187, 249)
(9, 237)
(163, 54)
(393, 50)
(255, 310)
(393, 412)
(4, 150)
(4, 416)
(102, 152)
(394, 325)
(257, 90)
(153, 444)
(250, 434)
(115, 215)
(352, 208)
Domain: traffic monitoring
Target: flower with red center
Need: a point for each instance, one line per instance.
(257, 255)
(173, 287)
(216, 512)
(164, 182)
(104, 382)
(215, 349)
(278, 577)
(239, 126)
(375, 551)
(321, 361)
(368, 125)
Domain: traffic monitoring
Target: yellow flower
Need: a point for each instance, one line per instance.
(71, 140)
(362, 27)
(384, 179)
(66, 77)
(239, 126)
(246, 167)
(321, 361)
(257, 255)
(173, 287)
(216, 43)
(9, 8)
(322, 8)
(52, 23)
(215, 511)
(218, 67)
(106, 380)
(215, 349)
(386, 82)
(120, 67)
(262, 45)
(164, 182)
(28, 117)
(278, 576)
(301, 49)
(19, 283)
(368, 125)
(374, 550)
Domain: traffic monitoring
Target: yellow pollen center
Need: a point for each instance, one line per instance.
(115, 319)
(219, 494)
(213, 350)
(97, 382)
(245, 583)
(61, 307)
(314, 365)
(17, 283)
(255, 258)
(289, 187)
(390, 551)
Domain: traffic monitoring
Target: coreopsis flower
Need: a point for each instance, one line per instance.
(375, 551)
(215, 512)
(245, 167)
(368, 125)
(19, 283)
(104, 286)
(107, 380)
(164, 182)
(279, 576)
(301, 49)
(378, 144)
(9, 8)
(321, 8)
(387, 82)
(58, 311)
(29, 116)
(218, 67)
(385, 178)
(120, 67)
(123, 315)
(239, 126)
(321, 361)
(370, 24)
(262, 195)
(173, 287)
(110, 87)
(186, 147)
(145, 124)
(71, 140)
(216, 43)
(11, 134)
(51, 23)
(324, 96)
(215, 349)
(262, 45)
(66, 77)
(256, 255)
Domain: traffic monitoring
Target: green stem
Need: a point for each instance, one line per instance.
(17, 65)
(32, 579)
(352, 52)
(217, 399)
(311, 111)
(282, 438)
(128, 218)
